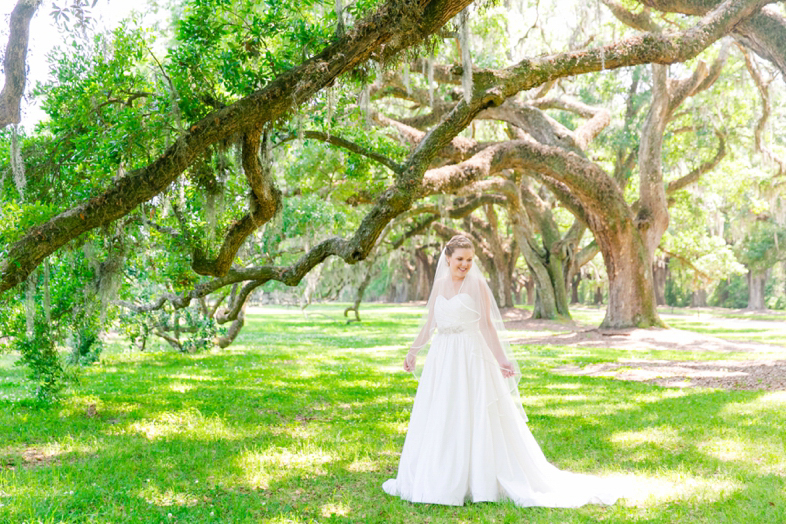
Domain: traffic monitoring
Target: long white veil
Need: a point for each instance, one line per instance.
(481, 302)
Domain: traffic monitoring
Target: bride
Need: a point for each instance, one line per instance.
(467, 436)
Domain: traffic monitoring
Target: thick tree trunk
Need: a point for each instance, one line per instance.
(545, 301)
(756, 283)
(551, 296)
(629, 254)
(410, 288)
(631, 290)
(493, 281)
(557, 270)
(501, 282)
(546, 268)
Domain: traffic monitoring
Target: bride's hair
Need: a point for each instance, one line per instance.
(458, 242)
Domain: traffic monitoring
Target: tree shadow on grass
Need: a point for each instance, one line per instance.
(245, 437)
(145, 447)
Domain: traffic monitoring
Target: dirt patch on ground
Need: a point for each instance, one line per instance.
(769, 375)
(574, 334)
(638, 339)
(749, 374)
(31, 457)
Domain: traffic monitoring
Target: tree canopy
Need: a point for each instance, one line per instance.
(245, 144)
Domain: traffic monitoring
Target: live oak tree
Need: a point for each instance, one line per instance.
(148, 143)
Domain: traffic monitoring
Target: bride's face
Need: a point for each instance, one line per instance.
(460, 262)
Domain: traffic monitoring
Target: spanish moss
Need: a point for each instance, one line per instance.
(17, 166)
(466, 56)
(430, 66)
(47, 295)
(365, 105)
(30, 305)
(405, 79)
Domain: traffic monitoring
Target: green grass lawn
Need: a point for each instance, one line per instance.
(302, 419)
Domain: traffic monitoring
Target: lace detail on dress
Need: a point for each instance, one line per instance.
(452, 330)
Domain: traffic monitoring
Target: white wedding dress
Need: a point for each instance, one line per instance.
(467, 440)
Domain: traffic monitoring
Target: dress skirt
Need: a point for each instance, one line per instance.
(467, 440)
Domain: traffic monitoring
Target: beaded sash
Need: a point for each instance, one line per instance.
(457, 328)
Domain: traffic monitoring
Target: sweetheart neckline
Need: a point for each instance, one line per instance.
(454, 296)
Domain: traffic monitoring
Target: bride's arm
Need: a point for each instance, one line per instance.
(492, 339)
(420, 341)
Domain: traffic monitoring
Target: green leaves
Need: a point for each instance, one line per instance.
(227, 50)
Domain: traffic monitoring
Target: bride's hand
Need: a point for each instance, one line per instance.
(409, 362)
(507, 368)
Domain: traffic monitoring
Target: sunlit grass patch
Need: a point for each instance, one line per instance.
(680, 487)
(666, 437)
(154, 495)
(188, 422)
(304, 418)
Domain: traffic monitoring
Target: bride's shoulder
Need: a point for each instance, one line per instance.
(440, 280)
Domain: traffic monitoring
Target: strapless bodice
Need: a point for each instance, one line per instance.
(458, 314)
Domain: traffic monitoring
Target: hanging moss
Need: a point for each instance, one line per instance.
(466, 56)
(30, 304)
(47, 295)
(17, 166)
(430, 76)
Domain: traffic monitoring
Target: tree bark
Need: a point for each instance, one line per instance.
(698, 298)
(15, 62)
(234, 329)
(598, 298)
(549, 263)
(631, 290)
(424, 274)
(763, 32)
(361, 290)
(757, 280)
(660, 273)
(574, 288)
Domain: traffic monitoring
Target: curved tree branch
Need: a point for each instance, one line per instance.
(766, 108)
(459, 148)
(695, 174)
(640, 20)
(395, 28)
(598, 117)
(762, 32)
(337, 141)
(459, 210)
(265, 200)
(390, 29)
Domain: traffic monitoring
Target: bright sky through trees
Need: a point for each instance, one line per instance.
(45, 35)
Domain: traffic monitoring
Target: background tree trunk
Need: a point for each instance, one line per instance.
(660, 273)
(757, 280)
(424, 274)
(574, 289)
(698, 298)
